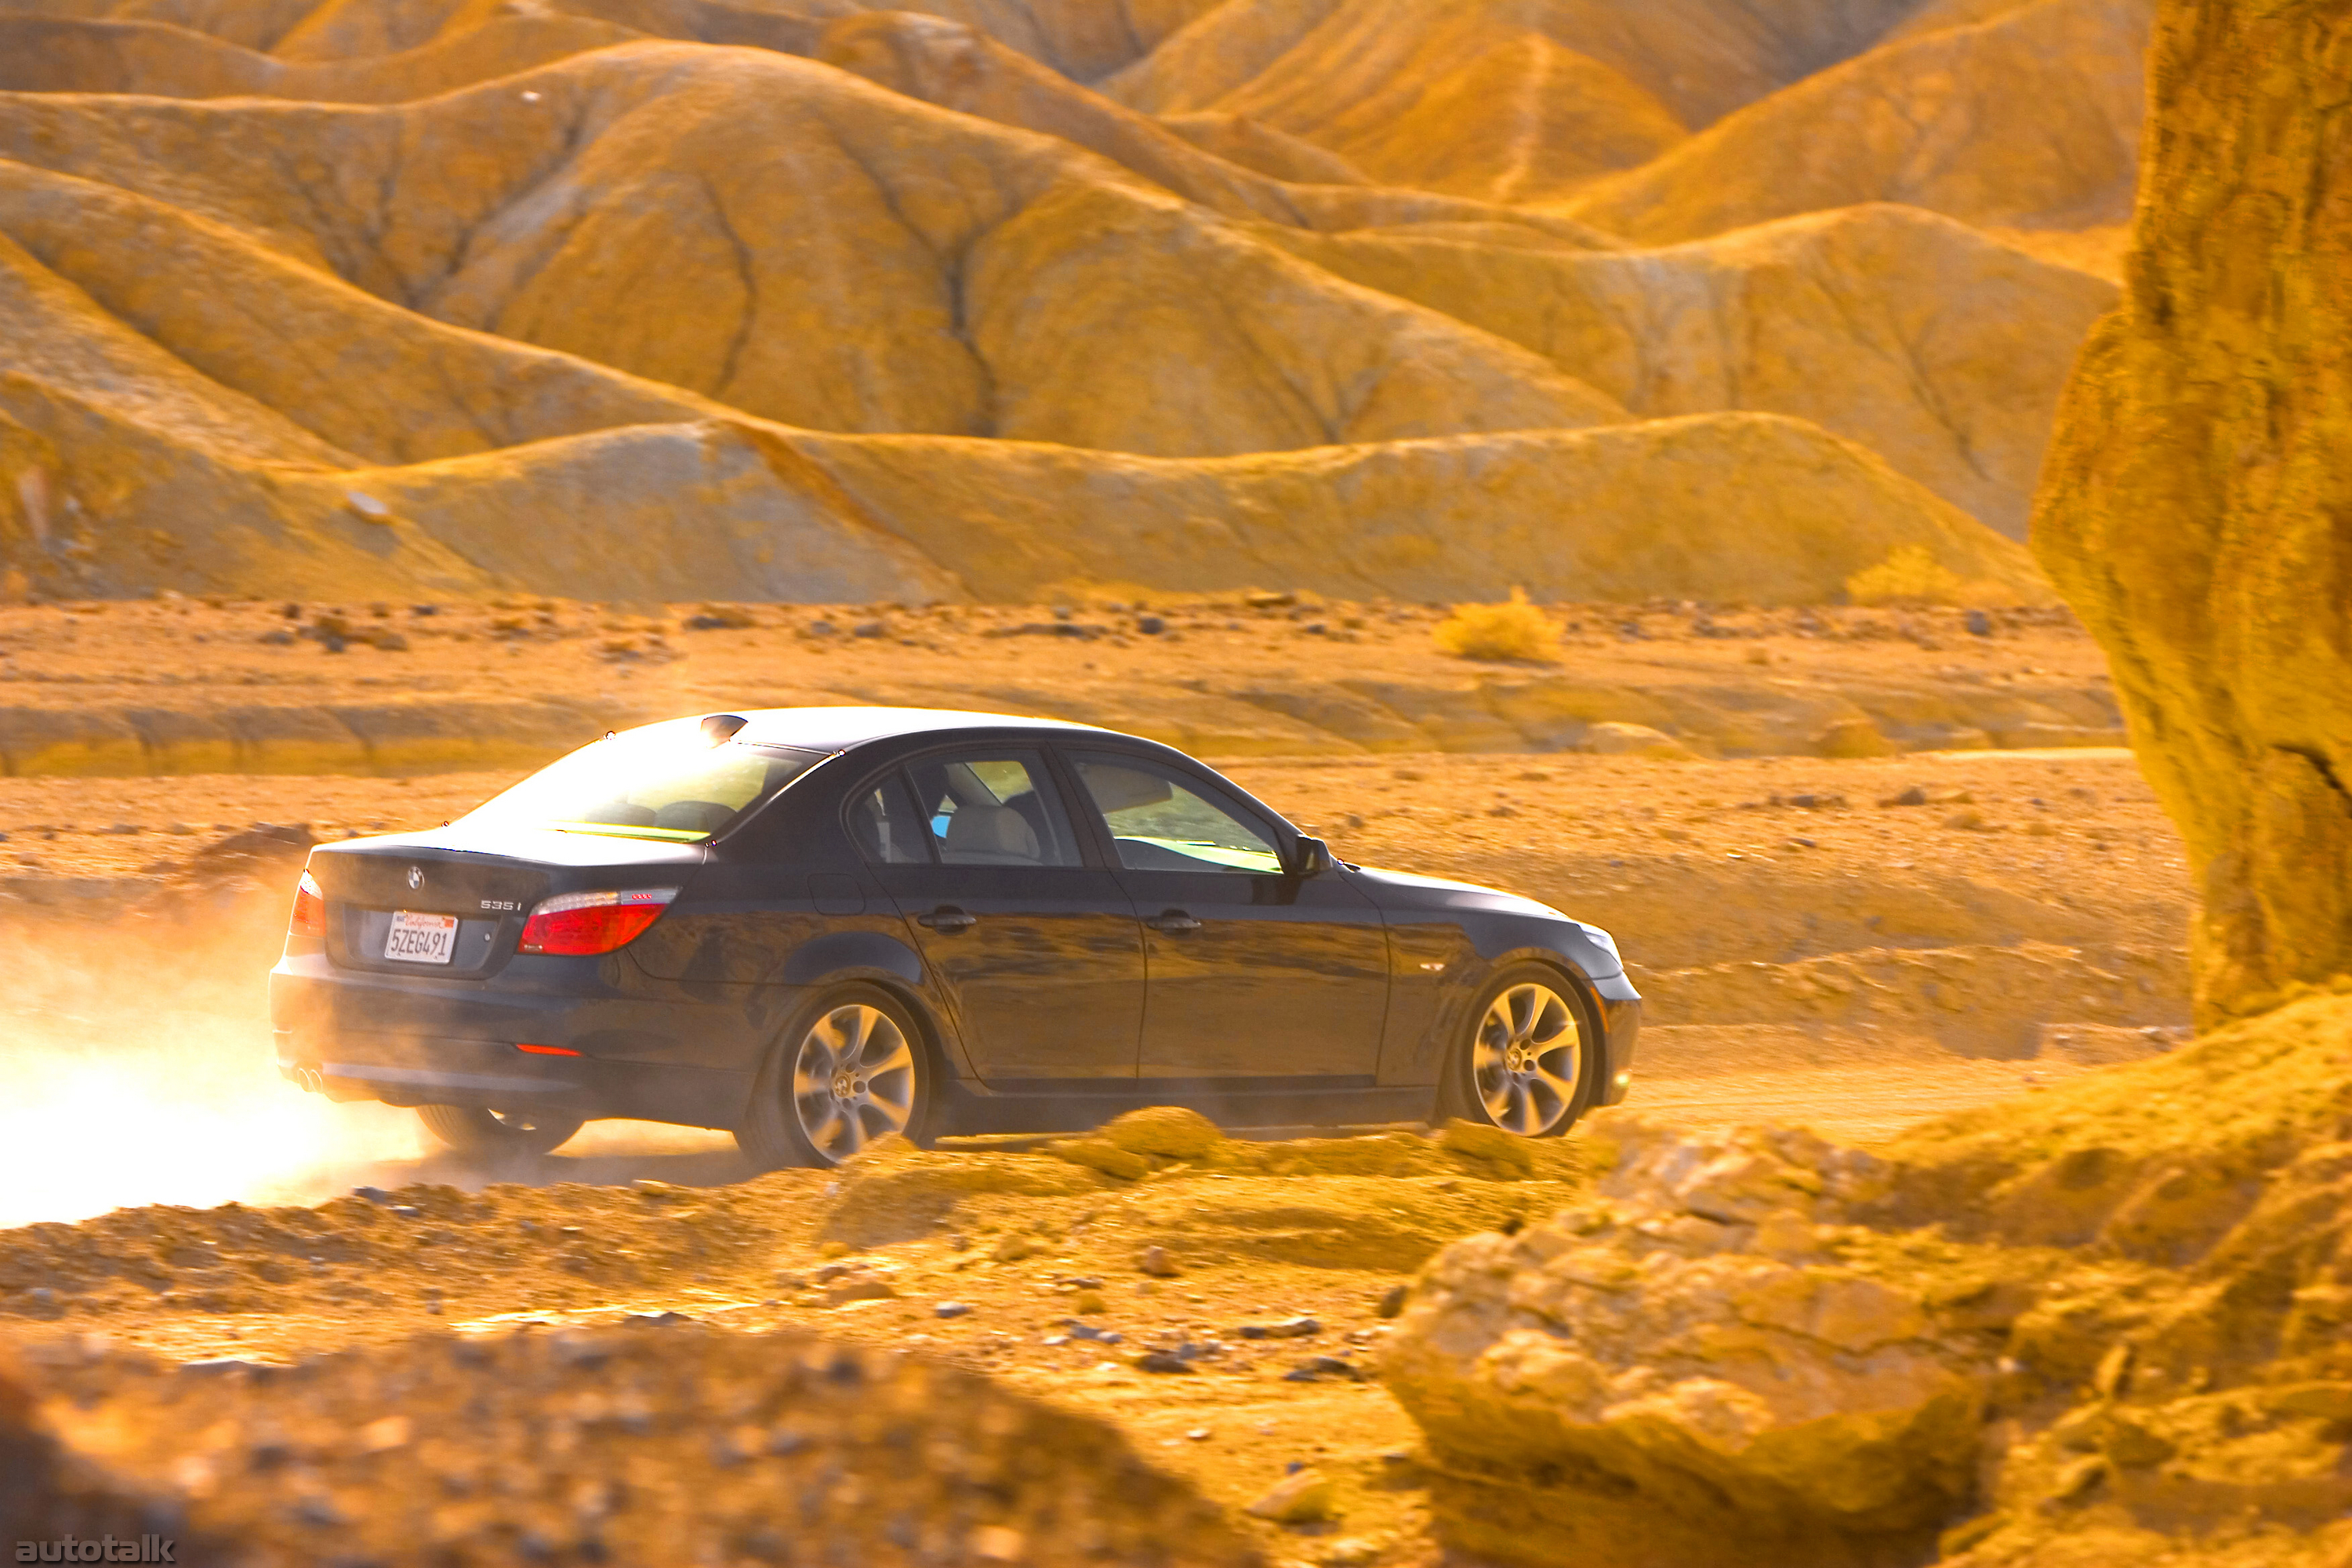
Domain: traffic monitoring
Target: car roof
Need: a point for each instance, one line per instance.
(840, 728)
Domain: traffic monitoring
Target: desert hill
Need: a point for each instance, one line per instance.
(2027, 120)
(806, 300)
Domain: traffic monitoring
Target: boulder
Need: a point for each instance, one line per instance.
(1689, 1373)
(2197, 511)
(1613, 738)
(1102, 1154)
(1170, 1131)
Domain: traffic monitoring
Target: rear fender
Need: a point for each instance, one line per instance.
(853, 955)
(886, 961)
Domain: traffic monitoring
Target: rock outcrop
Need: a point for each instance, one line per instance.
(1711, 1382)
(2101, 1324)
(2197, 508)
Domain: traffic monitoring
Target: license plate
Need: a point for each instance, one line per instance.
(421, 939)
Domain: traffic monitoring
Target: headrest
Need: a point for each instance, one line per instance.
(1123, 789)
(990, 830)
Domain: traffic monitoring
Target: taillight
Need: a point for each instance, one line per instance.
(594, 922)
(309, 909)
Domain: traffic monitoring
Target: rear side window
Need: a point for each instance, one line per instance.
(993, 809)
(1160, 823)
(888, 829)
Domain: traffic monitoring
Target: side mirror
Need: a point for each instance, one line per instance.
(1310, 858)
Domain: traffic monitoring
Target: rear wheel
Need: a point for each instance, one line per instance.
(1525, 1062)
(849, 1069)
(474, 1130)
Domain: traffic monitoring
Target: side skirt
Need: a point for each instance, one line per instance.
(961, 1108)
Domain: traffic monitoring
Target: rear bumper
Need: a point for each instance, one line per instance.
(409, 1069)
(1621, 1026)
(643, 1055)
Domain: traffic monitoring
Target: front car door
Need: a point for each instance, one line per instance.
(1037, 949)
(1254, 974)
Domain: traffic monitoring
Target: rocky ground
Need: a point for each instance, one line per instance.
(2066, 1331)
(180, 687)
(1849, 942)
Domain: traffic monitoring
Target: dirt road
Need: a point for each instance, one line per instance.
(1844, 963)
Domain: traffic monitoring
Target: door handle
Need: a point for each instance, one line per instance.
(948, 918)
(1173, 919)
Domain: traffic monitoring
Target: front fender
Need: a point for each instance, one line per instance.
(1438, 973)
(1614, 1002)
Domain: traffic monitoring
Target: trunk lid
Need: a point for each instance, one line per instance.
(487, 882)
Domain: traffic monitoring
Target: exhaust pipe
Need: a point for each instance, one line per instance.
(308, 1081)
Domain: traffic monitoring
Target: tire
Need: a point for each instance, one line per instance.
(851, 1066)
(1524, 1059)
(472, 1129)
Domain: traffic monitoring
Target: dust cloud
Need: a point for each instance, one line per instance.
(135, 1047)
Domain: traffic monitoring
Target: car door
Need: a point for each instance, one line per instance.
(1038, 951)
(1255, 973)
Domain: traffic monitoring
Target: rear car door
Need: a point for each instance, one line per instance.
(1253, 973)
(1038, 950)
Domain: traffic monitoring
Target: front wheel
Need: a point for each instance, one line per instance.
(849, 1069)
(1525, 1063)
(473, 1129)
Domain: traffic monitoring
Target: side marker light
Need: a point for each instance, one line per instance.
(309, 916)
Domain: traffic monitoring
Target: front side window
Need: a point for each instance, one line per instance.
(992, 810)
(666, 781)
(1161, 825)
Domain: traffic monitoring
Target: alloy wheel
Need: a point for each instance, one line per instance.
(1527, 1059)
(853, 1080)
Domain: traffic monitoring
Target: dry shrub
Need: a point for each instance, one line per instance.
(1909, 576)
(1514, 630)
(1912, 575)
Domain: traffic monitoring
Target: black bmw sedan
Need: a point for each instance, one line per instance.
(816, 926)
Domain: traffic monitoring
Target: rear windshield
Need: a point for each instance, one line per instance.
(665, 782)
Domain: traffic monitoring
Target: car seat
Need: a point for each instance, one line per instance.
(989, 835)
